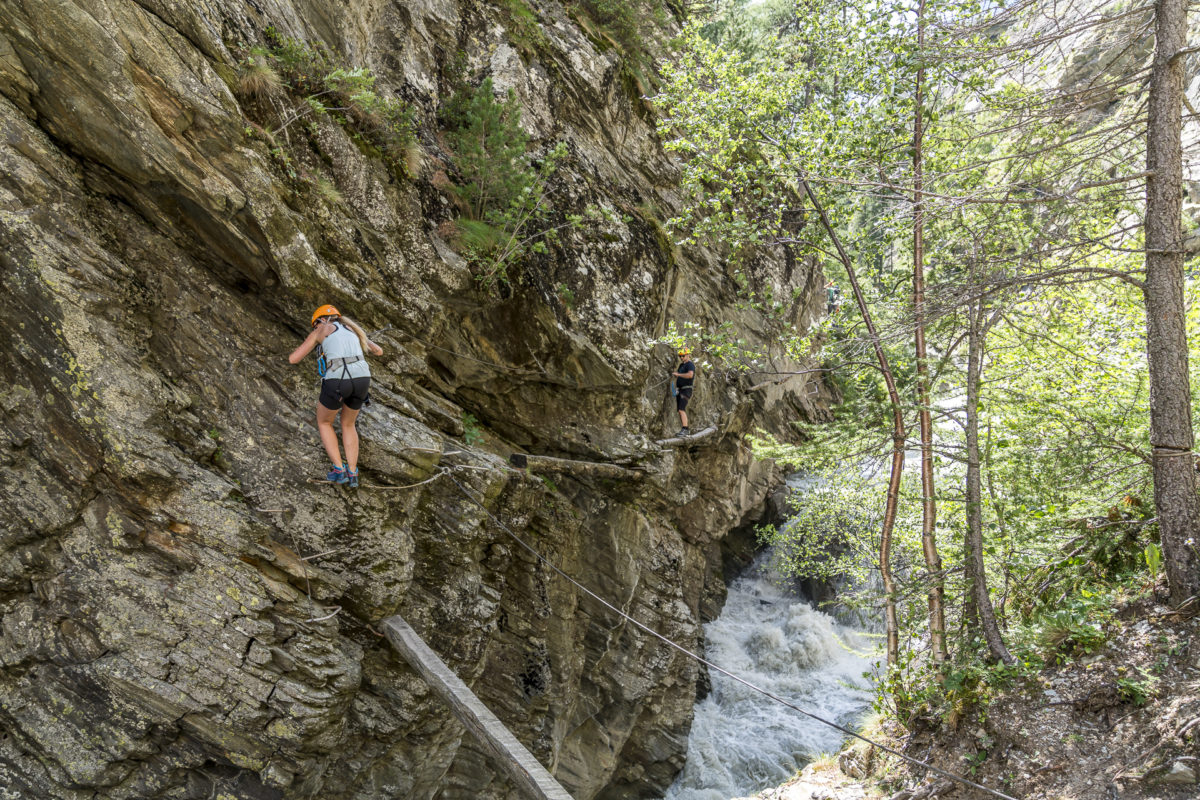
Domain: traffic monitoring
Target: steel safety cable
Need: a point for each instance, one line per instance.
(700, 659)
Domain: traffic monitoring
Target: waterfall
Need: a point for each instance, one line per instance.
(743, 742)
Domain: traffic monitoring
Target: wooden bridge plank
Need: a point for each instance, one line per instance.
(582, 468)
(677, 441)
(522, 767)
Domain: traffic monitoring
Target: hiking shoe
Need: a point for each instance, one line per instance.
(684, 432)
(337, 475)
(352, 478)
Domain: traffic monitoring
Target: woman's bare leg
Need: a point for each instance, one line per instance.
(350, 436)
(325, 418)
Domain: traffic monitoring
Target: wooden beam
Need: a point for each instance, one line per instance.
(593, 469)
(519, 763)
(682, 441)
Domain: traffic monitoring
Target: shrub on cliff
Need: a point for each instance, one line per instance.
(489, 148)
(319, 84)
(503, 194)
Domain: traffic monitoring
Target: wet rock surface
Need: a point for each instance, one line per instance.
(182, 614)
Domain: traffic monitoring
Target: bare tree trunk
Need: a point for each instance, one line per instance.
(976, 576)
(933, 561)
(898, 438)
(1171, 437)
(970, 613)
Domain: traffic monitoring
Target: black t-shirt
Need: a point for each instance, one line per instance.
(685, 383)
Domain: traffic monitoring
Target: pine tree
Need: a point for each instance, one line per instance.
(489, 148)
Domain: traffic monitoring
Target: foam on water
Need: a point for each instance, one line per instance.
(743, 742)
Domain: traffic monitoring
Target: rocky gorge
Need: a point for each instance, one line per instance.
(182, 613)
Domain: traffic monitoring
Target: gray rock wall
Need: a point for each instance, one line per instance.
(181, 613)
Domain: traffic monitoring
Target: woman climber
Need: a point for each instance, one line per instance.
(342, 365)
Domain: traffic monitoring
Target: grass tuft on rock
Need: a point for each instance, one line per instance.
(256, 77)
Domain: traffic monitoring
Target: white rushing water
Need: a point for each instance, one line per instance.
(743, 742)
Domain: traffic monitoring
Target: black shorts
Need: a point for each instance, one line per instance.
(351, 392)
(681, 399)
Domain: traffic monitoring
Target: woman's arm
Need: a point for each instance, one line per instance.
(375, 349)
(312, 340)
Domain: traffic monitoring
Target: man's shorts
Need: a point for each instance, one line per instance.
(681, 399)
(351, 392)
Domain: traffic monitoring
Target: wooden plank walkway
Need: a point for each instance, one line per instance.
(586, 469)
(520, 764)
(681, 441)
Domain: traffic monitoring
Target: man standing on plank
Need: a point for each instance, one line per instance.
(684, 378)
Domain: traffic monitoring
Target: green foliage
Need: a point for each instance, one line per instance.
(257, 76)
(525, 227)
(1153, 555)
(472, 431)
(506, 198)
(617, 17)
(918, 690)
(832, 534)
(767, 92)
(629, 26)
(524, 30)
(1075, 629)
(723, 348)
(747, 26)
(489, 148)
(477, 236)
(1022, 212)
(624, 20)
(319, 86)
(1138, 690)
(566, 295)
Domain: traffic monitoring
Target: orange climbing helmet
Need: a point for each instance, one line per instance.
(685, 351)
(325, 311)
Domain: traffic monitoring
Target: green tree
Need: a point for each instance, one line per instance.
(506, 197)
(1171, 435)
(489, 148)
(908, 147)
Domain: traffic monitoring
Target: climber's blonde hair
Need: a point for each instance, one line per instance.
(358, 331)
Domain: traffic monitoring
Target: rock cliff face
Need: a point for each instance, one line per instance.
(181, 613)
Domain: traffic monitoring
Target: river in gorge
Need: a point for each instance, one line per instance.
(742, 742)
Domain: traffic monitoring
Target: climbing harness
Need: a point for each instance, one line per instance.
(342, 363)
(700, 659)
(325, 364)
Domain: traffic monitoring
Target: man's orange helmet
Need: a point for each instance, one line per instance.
(325, 311)
(685, 351)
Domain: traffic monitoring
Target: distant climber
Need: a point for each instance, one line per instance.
(342, 365)
(684, 378)
(833, 295)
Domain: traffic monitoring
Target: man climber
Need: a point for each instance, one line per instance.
(684, 378)
(833, 298)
